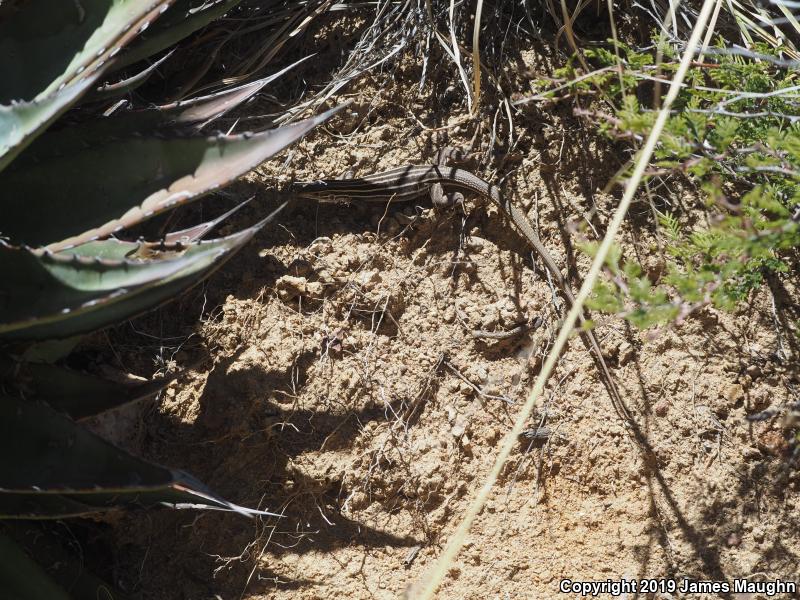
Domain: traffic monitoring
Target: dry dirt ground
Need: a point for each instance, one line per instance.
(347, 393)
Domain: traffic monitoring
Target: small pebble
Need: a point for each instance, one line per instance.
(661, 408)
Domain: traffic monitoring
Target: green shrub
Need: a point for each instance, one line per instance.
(735, 134)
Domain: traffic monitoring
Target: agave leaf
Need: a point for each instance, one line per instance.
(40, 507)
(182, 19)
(108, 249)
(212, 106)
(86, 276)
(77, 394)
(204, 263)
(43, 506)
(198, 232)
(173, 242)
(48, 44)
(59, 554)
(177, 115)
(22, 578)
(132, 180)
(127, 85)
(21, 122)
(121, 250)
(41, 289)
(54, 296)
(49, 351)
(49, 456)
(48, 307)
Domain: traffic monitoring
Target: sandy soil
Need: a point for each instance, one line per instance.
(347, 392)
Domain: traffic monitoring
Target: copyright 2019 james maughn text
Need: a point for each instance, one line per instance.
(618, 587)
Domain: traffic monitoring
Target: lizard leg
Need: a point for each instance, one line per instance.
(439, 197)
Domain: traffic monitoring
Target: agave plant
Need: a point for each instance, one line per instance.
(66, 190)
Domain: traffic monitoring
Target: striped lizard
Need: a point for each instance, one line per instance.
(411, 181)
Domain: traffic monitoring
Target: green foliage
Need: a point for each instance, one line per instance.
(735, 133)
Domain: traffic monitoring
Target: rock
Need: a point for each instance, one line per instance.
(478, 374)
(358, 501)
(476, 243)
(625, 353)
(370, 278)
(321, 245)
(751, 453)
(733, 392)
(299, 267)
(758, 534)
(754, 371)
(290, 287)
(459, 427)
(314, 289)
(661, 408)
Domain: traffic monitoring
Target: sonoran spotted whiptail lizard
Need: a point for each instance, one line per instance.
(410, 182)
